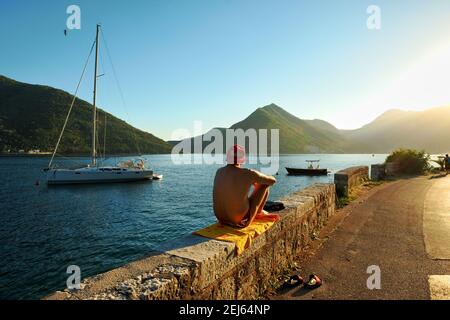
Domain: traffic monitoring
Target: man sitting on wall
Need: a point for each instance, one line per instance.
(232, 204)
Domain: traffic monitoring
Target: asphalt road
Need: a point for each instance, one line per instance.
(385, 228)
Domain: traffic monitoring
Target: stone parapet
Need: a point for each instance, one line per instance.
(194, 267)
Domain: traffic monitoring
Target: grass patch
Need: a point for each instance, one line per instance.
(372, 183)
(344, 201)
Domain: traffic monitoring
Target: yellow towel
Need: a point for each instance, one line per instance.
(242, 237)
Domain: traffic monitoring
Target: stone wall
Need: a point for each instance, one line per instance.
(194, 267)
(349, 178)
(392, 168)
(377, 171)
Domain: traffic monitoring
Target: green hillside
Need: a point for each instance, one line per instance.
(296, 135)
(31, 117)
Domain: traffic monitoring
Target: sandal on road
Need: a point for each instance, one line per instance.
(313, 282)
(294, 280)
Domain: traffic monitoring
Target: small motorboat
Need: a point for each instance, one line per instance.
(306, 172)
(310, 171)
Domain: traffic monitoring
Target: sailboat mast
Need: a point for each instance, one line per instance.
(94, 116)
(104, 140)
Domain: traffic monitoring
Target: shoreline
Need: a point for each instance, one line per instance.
(75, 155)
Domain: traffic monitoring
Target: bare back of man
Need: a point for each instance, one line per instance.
(232, 203)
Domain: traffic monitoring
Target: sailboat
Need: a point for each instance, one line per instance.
(131, 170)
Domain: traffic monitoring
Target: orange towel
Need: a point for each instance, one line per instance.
(241, 237)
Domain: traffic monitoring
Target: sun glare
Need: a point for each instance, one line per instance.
(424, 85)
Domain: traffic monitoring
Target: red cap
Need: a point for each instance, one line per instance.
(236, 155)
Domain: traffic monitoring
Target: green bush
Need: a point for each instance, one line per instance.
(410, 161)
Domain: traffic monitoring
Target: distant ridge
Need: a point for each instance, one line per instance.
(428, 130)
(296, 135)
(31, 117)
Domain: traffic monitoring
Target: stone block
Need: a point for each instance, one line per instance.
(377, 171)
(349, 178)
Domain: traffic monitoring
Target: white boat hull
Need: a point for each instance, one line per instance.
(97, 175)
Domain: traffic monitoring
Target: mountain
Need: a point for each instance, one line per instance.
(31, 117)
(296, 135)
(323, 125)
(427, 130)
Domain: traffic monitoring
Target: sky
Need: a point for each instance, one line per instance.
(216, 61)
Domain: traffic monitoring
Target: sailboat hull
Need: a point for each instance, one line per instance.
(97, 175)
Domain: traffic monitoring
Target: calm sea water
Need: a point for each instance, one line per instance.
(98, 227)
